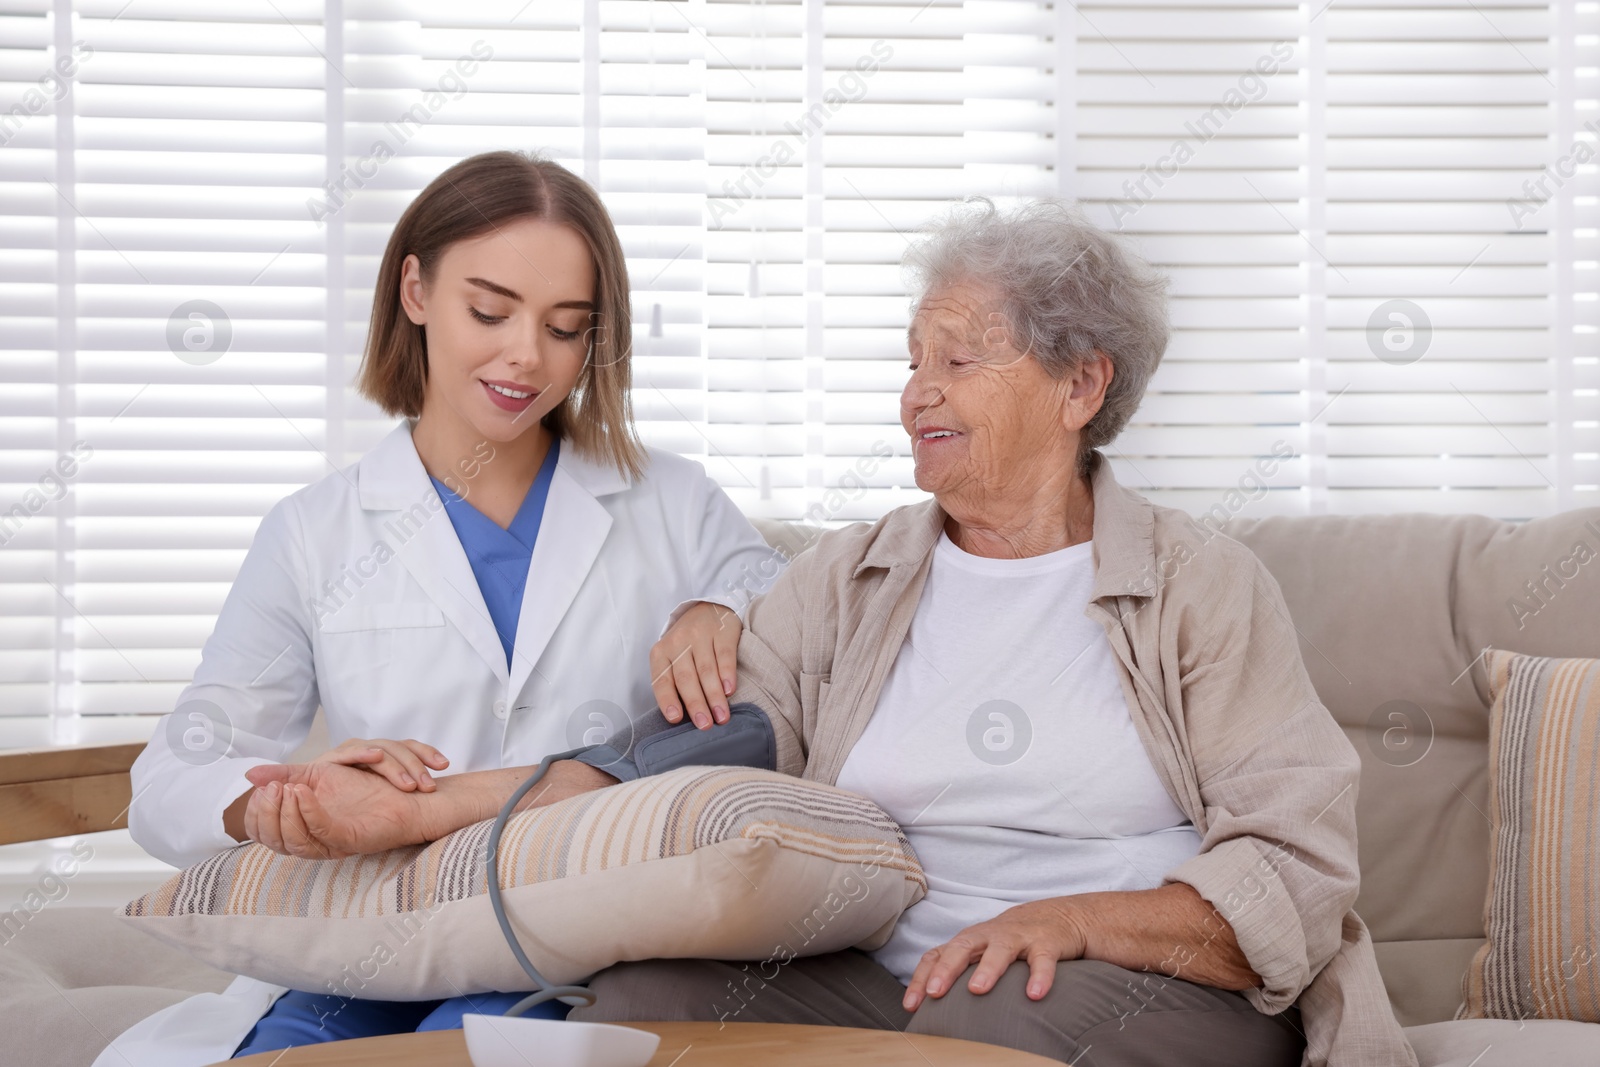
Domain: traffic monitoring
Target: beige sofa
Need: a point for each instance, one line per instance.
(1393, 611)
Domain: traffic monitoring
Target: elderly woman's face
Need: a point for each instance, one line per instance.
(981, 414)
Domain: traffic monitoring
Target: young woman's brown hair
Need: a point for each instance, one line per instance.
(475, 196)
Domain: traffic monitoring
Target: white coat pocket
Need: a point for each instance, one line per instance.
(361, 644)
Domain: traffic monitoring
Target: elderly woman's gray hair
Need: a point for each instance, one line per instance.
(1067, 288)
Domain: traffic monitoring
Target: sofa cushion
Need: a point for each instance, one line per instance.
(1542, 958)
(721, 862)
(1393, 613)
(1424, 977)
(1503, 1043)
(74, 978)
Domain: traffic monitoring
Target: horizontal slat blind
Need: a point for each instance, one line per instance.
(765, 163)
(1417, 188)
(837, 130)
(1193, 125)
(1575, 276)
(1337, 194)
(256, 158)
(200, 320)
(35, 340)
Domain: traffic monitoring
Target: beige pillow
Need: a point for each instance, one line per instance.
(1542, 959)
(718, 862)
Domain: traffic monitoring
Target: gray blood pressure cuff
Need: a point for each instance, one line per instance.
(652, 745)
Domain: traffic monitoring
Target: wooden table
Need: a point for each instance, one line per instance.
(687, 1045)
(52, 792)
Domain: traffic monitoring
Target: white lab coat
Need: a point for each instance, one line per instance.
(357, 595)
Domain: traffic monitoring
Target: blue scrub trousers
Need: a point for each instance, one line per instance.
(298, 1018)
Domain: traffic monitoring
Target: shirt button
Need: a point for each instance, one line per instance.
(499, 709)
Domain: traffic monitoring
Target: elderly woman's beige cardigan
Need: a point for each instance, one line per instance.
(1212, 673)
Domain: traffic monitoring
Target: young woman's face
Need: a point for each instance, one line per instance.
(507, 317)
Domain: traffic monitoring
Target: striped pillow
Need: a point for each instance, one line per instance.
(720, 862)
(1542, 959)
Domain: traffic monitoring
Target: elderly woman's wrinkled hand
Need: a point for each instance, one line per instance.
(1041, 932)
(326, 810)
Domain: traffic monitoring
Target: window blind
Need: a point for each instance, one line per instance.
(196, 201)
(835, 131)
(1361, 277)
(30, 331)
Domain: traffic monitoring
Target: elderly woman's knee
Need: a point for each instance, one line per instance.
(1100, 1015)
(1005, 1015)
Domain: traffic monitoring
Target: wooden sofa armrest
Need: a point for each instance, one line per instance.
(58, 791)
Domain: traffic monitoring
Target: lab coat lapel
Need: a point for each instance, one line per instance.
(437, 561)
(392, 478)
(574, 526)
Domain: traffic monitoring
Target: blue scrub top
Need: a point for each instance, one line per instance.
(500, 557)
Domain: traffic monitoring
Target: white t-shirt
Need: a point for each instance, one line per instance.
(1003, 745)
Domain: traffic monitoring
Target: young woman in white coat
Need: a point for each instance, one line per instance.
(486, 586)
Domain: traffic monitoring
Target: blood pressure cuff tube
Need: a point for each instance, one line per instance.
(652, 745)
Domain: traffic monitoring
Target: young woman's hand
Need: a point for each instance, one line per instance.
(404, 763)
(693, 666)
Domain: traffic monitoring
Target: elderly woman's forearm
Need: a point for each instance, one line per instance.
(1172, 931)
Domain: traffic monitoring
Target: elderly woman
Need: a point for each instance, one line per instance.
(1088, 713)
